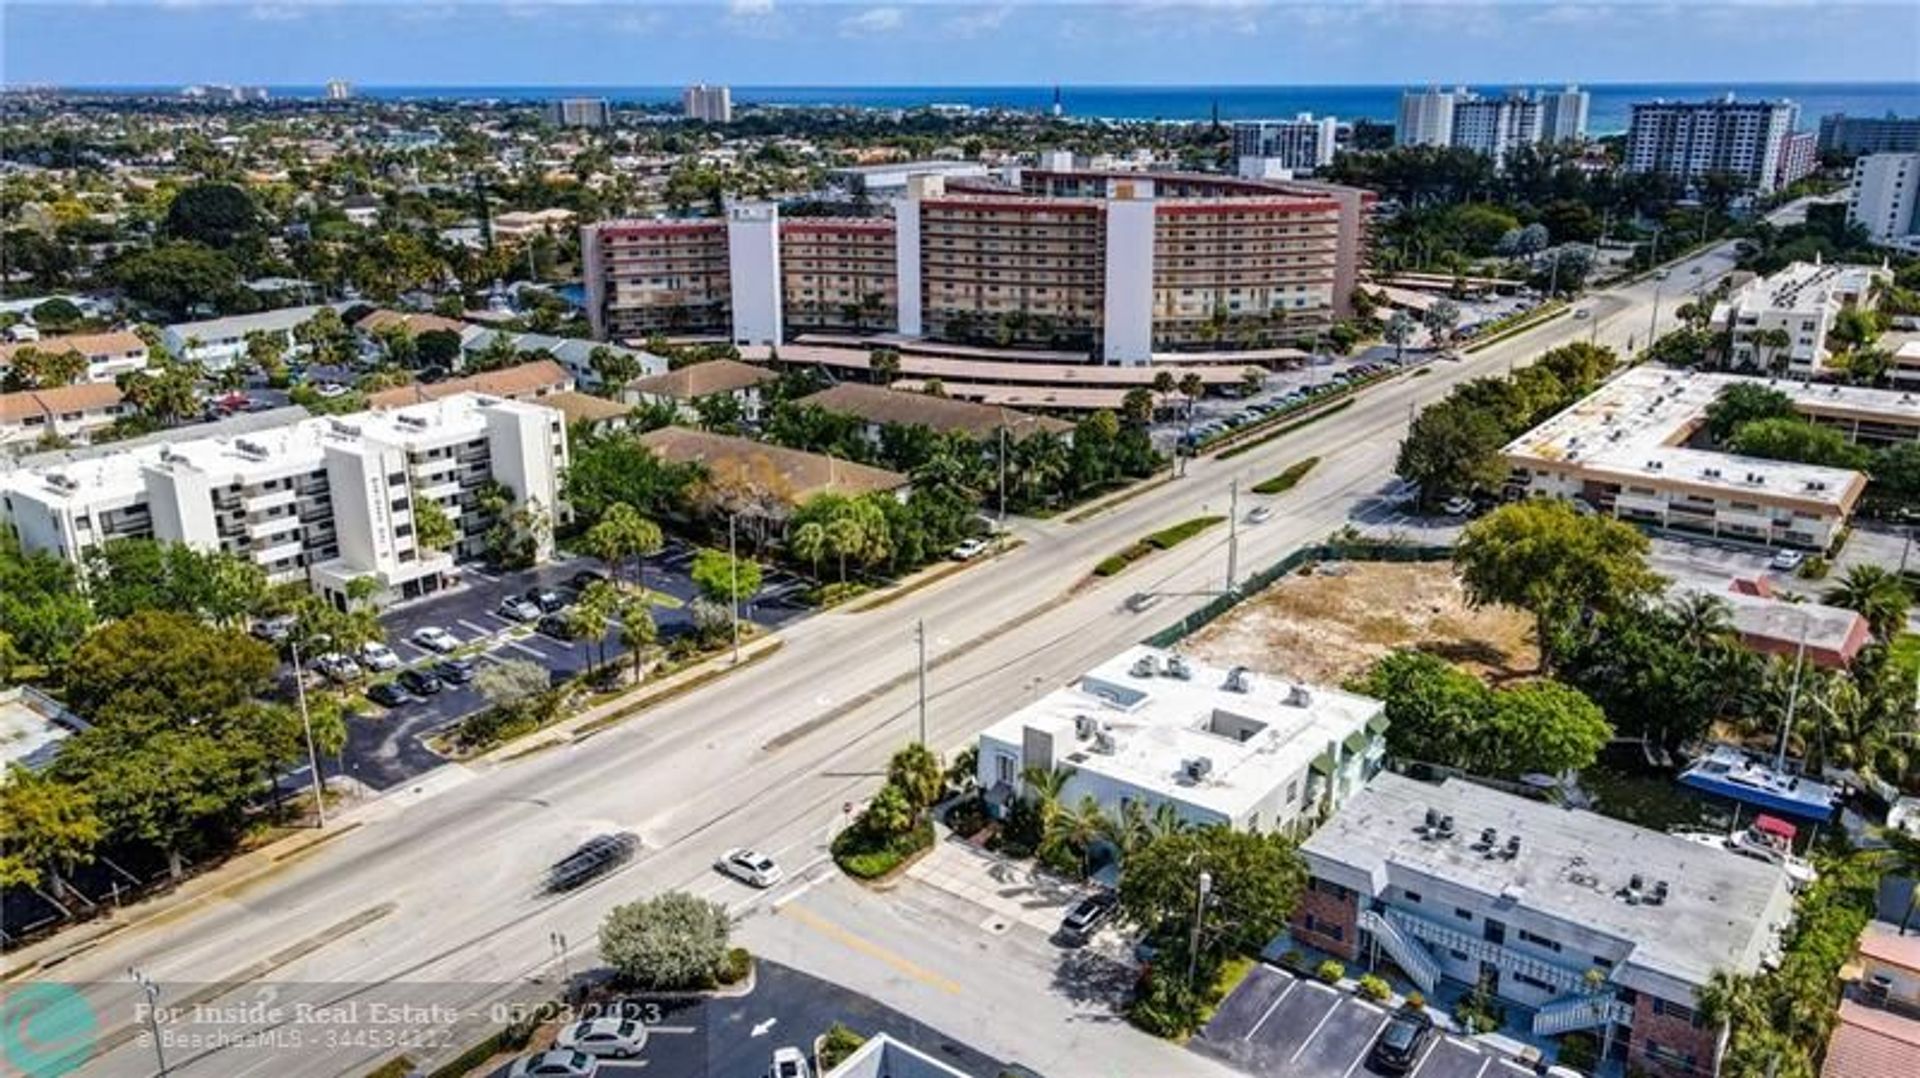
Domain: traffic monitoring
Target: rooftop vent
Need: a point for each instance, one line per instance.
(1084, 726)
(1446, 826)
(1654, 465)
(1177, 668)
(1199, 768)
(250, 450)
(1104, 742)
(1513, 847)
(1142, 667)
(1298, 696)
(417, 422)
(1711, 473)
(1489, 837)
(1239, 680)
(1659, 895)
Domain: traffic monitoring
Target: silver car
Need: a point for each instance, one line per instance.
(750, 867)
(616, 1037)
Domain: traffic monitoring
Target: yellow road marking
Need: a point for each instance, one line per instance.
(869, 948)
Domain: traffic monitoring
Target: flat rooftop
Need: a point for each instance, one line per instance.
(1632, 430)
(1721, 910)
(1256, 740)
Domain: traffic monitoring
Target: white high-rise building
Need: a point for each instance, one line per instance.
(1691, 140)
(1495, 126)
(339, 90)
(1299, 145)
(1885, 199)
(711, 104)
(1563, 115)
(579, 112)
(1426, 117)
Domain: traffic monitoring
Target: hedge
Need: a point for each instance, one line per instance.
(1286, 480)
(866, 856)
(1249, 446)
(1163, 539)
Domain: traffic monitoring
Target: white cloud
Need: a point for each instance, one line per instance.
(879, 20)
(749, 9)
(976, 23)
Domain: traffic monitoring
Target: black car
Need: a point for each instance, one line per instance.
(419, 682)
(596, 856)
(1088, 914)
(586, 578)
(547, 599)
(1397, 1048)
(389, 694)
(555, 626)
(454, 671)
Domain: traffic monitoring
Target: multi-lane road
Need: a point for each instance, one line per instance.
(432, 894)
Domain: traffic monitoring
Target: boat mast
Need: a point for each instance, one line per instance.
(1793, 697)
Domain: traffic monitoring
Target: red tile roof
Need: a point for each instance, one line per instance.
(1871, 1043)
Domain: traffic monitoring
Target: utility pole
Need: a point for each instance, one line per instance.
(558, 941)
(920, 640)
(1199, 911)
(1003, 476)
(733, 590)
(1233, 533)
(306, 721)
(153, 1017)
(1653, 321)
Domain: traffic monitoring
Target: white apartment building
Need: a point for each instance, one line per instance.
(1586, 922)
(1884, 199)
(1495, 126)
(1624, 450)
(1426, 117)
(1690, 140)
(328, 500)
(1563, 115)
(339, 90)
(1800, 301)
(710, 104)
(218, 343)
(580, 112)
(1299, 145)
(1151, 728)
(59, 413)
(108, 355)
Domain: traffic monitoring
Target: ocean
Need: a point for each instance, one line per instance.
(1608, 113)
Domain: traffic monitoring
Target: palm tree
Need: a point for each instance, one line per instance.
(1705, 621)
(592, 615)
(1728, 998)
(1875, 594)
(1902, 858)
(1044, 787)
(1080, 826)
(809, 541)
(638, 633)
(846, 537)
(1125, 830)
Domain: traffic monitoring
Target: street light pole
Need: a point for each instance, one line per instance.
(733, 589)
(153, 1016)
(920, 641)
(1199, 910)
(1003, 475)
(1233, 533)
(306, 721)
(1653, 322)
(558, 940)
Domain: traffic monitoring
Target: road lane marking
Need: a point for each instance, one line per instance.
(869, 948)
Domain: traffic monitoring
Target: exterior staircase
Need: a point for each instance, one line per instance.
(1411, 957)
(1568, 1013)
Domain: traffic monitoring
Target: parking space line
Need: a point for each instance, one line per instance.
(480, 629)
(533, 651)
(1308, 1039)
(1284, 993)
(1366, 1047)
(1434, 1046)
(1484, 1064)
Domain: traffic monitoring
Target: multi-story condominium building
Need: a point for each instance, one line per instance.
(580, 112)
(1300, 145)
(1149, 728)
(59, 413)
(326, 500)
(712, 104)
(1563, 115)
(1884, 199)
(1690, 140)
(1426, 117)
(1844, 134)
(1797, 304)
(217, 343)
(1586, 922)
(1625, 450)
(890, 180)
(1798, 158)
(1495, 126)
(339, 90)
(1110, 264)
(108, 355)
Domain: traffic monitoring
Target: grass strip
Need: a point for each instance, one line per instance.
(1248, 447)
(1546, 312)
(1164, 539)
(1286, 480)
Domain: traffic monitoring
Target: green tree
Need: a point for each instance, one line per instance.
(1452, 448)
(890, 813)
(622, 532)
(51, 829)
(43, 610)
(57, 315)
(808, 541)
(1542, 557)
(1876, 594)
(175, 277)
(672, 942)
(615, 367)
(436, 348)
(638, 633)
(1798, 440)
(1435, 709)
(1542, 727)
(126, 576)
(1902, 859)
(915, 770)
(1398, 331)
(45, 368)
(605, 470)
(216, 214)
(1256, 879)
(591, 616)
(725, 579)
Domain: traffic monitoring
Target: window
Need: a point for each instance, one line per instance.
(1464, 915)
(1540, 941)
(1532, 982)
(1457, 956)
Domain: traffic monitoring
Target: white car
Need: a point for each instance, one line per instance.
(749, 866)
(1787, 561)
(789, 1062)
(1260, 514)
(339, 667)
(331, 390)
(969, 549)
(378, 656)
(616, 1037)
(434, 638)
(556, 1064)
(1458, 506)
(515, 608)
(1582, 313)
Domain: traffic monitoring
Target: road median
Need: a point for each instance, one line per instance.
(1164, 539)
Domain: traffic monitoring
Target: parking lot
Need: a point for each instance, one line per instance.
(387, 746)
(1276, 1024)
(1282, 389)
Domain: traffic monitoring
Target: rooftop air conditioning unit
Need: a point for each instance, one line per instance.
(1104, 741)
(1446, 826)
(1299, 696)
(1488, 837)
(1084, 726)
(1659, 895)
(1238, 680)
(1199, 768)
(1513, 847)
(1177, 668)
(1142, 667)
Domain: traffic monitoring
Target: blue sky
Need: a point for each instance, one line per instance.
(859, 42)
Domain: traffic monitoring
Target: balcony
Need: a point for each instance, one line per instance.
(1503, 958)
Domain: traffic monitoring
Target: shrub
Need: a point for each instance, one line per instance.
(673, 941)
(839, 1043)
(1294, 960)
(832, 595)
(867, 855)
(1579, 1051)
(1164, 539)
(1113, 563)
(1286, 480)
(1164, 1006)
(1374, 988)
(1330, 971)
(1815, 568)
(738, 964)
(1416, 1001)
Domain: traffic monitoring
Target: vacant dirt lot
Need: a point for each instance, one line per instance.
(1331, 625)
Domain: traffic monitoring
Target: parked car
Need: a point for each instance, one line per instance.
(595, 857)
(390, 694)
(547, 599)
(1787, 561)
(274, 629)
(515, 608)
(419, 682)
(377, 656)
(454, 671)
(749, 866)
(616, 1037)
(337, 667)
(969, 549)
(586, 578)
(789, 1062)
(1260, 514)
(1397, 1048)
(555, 626)
(1088, 914)
(559, 1063)
(434, 638)
(331, 390)
(1458, 506)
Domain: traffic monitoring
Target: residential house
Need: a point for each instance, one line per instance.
(108, 355)
(880, 407)
(61, 413)
(525, 381)
(1879, 1029)
(686, 387)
